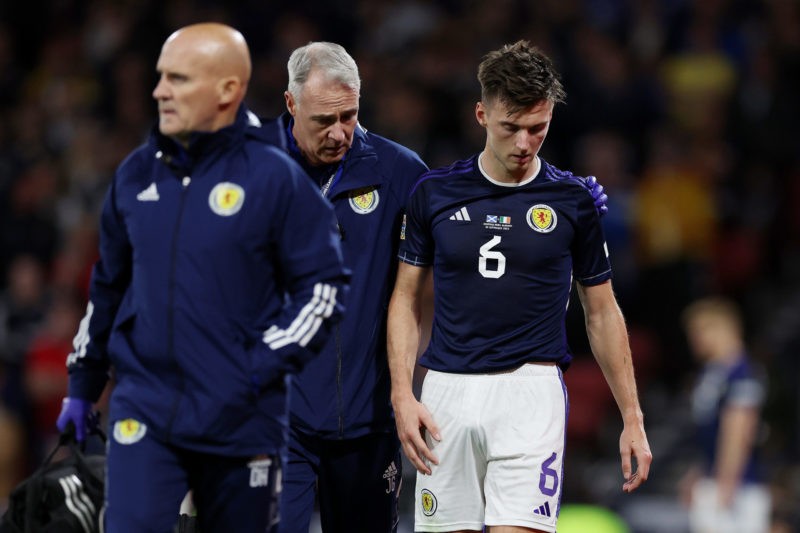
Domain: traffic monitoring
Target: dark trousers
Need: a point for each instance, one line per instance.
(147, 479)
(357, 482)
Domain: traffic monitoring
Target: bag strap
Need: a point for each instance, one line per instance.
(35, 483)
(67, 437)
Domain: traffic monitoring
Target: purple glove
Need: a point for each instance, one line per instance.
(600, 198)
(77, 412)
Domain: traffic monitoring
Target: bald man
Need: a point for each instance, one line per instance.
(213, 286)
(204, 72)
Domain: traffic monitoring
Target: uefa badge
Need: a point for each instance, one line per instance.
(542, 218)
(226, 198)
(364, 201)
(129, 431)
(428, 501)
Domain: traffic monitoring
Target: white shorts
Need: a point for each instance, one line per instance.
(749, 513)
(501, 453)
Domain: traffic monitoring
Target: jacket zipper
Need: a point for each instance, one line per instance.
(339, 385)
(171, 304)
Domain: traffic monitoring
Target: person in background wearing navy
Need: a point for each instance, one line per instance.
(504, 233)
(220, 275)
(726, 491)
(343, 449)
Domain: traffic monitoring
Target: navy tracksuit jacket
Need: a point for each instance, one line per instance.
(220, 272)
(344, 393)
(343, 443)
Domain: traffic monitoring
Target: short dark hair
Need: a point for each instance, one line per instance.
(519, 75)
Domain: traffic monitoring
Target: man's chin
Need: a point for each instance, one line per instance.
(331, 158)
(173, 131)
(169, 126)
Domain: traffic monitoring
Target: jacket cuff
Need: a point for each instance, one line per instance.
(87, 384)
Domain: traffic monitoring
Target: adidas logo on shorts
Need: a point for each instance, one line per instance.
(543, 510)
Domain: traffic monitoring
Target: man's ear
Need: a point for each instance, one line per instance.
(291, 104)
(229, 89)
(480, 114)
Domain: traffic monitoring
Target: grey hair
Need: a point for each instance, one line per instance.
(331, 58)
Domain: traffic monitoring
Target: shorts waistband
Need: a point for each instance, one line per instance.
(544, 368)
(524, 369)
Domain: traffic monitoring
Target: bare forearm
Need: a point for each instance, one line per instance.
(404, 329)
(403, 336)
(608, 338)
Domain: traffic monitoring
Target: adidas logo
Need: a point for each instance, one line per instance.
(543, 510)
(461, 214)
(150, 194)
(390, 475)
(390, 472)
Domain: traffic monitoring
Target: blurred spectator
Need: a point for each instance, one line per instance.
(23, 305)
(675, 221)
(72, 266)
(700, 77)
(727, 493)
(392, 26)
(45, 379)
(27, 221)
(606, 91)
(607, 154)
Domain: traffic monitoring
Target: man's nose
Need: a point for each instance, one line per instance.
(161, 90)
(336, 132)
(523, 140)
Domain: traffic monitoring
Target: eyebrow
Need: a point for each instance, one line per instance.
(516, 125)
(331, 116)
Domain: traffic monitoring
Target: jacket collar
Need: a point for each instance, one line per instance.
(202, 144)
(360, 167)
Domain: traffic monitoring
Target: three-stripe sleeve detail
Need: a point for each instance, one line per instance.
(308, 321)
(82, 338)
